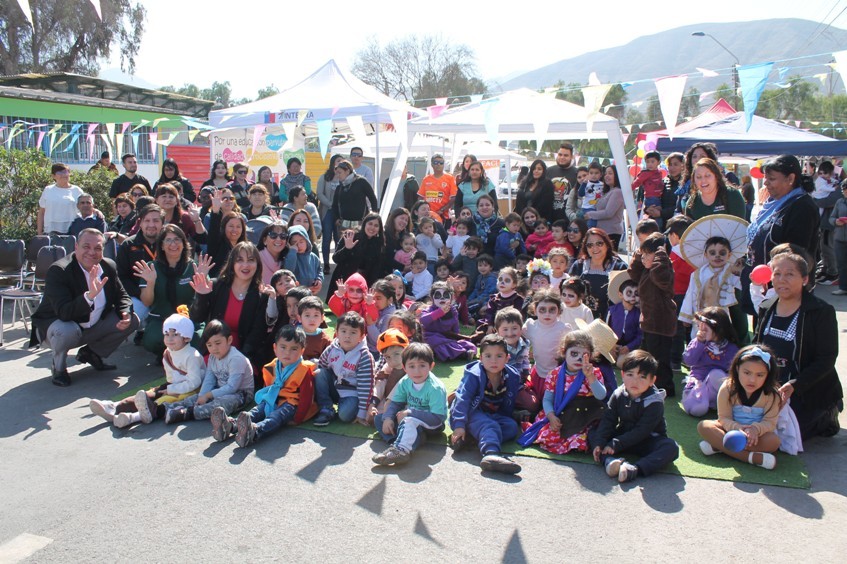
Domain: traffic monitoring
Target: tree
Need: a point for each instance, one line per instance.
(67, 36)
(418, 68)
(267, 92)
(219, 92)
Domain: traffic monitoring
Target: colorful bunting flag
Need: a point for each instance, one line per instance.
(670, 90)
(753, 79)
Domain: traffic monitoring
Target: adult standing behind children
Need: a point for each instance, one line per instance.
(439, 189)
(129, 178)
(352, 197)
(84, 303)
(476, 186)
(360, 168)
(710, 193)
(295, 177)
(597, 258)
(610, 207)
(57, 205)
(536, 191)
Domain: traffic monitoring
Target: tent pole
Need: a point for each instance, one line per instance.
(613, 133)
(377, 163)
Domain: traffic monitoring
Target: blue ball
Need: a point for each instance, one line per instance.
(735, 441)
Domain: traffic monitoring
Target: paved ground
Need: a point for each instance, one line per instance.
(74, 489)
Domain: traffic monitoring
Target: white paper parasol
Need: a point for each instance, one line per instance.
(692, 244)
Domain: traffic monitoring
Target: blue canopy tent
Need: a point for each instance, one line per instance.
(765, 137)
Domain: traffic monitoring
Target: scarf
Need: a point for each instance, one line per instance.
(269, 394)
(292, 180)
(483, 226)
(769, 208)
(269, 264)
(561, 401)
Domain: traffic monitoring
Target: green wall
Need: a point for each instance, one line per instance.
(35, 109)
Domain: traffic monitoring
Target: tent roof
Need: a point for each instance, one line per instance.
(328, 93)
(518, 114)
(424, 145)
(717, 112)
(765, 137)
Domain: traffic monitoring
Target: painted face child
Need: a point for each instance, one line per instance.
(718, 255)
(506, 283)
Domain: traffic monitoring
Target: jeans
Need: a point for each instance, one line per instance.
(841, 261)
(326, 394)
(409, 434)
(491, 430)
(656, 452)
(267, 424)
(141, 310)
(828, 253)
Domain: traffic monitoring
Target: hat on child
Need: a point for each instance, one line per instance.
(616, 280)
(603, 336)
(181, 325)
(391, 338)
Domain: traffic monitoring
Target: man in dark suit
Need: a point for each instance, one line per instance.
(85, 304)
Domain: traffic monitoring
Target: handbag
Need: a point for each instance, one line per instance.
(579, 414)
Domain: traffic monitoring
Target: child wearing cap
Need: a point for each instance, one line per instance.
(184, 369)
(418, 407)
(390, 344)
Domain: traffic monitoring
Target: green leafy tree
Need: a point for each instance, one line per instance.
(219, 92)
(67, 36)
(267, 92)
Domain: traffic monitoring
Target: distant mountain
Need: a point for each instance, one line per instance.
(676, 51)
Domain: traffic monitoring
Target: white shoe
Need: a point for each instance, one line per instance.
(143, 407)
(768, 460)
(104, 409)
(613, 467)
(707, 448)
(839, 292)
(122, 420)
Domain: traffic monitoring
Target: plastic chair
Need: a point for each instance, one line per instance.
(12, 260)
(33, 246)
(21, 297)
(255, 228)
(66, 241)
(110, 249)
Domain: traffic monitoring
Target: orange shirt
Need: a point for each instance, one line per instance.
(438, 192)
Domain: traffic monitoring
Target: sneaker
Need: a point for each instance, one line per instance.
(246, 433)
(499, 463)
(143, 406)
(839, 292)
(176, 415)
(627, 473)
(613, 467)
(324, 418)
(707, 449)
(826, 279)
(122, 420)
(104, 409)
(768, 460)
(221, 424)
(392, 455)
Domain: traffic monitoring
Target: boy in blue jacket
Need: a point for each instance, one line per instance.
(485, 285)
(509, 242)
(483, 405)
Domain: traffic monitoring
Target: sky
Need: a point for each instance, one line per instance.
(253, 44)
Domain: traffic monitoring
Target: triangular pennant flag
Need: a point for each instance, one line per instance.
(171, 139)
(626, 85)
(41, 135)
(110, 129)
(441, 101)
(753, 79)
(106, 141)
(706, 72)
(257, 135)
(192, 133)
(157, 121)
(91, 146)
(125, 126)
(475, 98)
(62, 139)
(56, 128)
(98, 9)
(324, 134)
(637, 104)
(301, 115)
(119, 144)
(797, 123)
(670, 90)
(153, 138)
(705, 95)
(24, 4)
(435, 111)
(141, 124)
(289, 127)
(841, 62)
(593, 96)
(135, 137)
(628, 128)
(782, 72)
(821, 76)
(356, 126)
(92, 127)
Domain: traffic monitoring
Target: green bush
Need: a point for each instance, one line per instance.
(23, 176)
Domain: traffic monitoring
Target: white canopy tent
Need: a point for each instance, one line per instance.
(522, 115)
(329, 95)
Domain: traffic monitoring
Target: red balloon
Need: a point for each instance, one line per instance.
(756, 172)
(633, 170)
(761, 275)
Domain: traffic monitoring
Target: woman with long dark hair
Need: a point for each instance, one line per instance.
(167, 197)
(170, 173)
(610, 207)
(399, 223)
(327, 183)
(360, 251)
(476, 185)
(536, 191)
(219, 175)
(273, 247)
(709, 193)
(488, 222)
(597, 258)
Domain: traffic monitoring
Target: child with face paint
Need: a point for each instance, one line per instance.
(506, 296)
(712, 285)
(544, 335)
(573, 291)
(440, 323)
(624, 318)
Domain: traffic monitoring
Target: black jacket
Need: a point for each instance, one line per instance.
(366, 258)
(627, 422)
(63, 297)
(797, 223)
(817, 383)
(252, 330)
(541, 199)
(348, 202)
(132, 250)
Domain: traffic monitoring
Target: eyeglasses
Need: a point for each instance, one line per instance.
(137, 194)
(241, 172)
(277, 235)
(172, 241)
(573, 230)
(356, 154)
(436, 163)
(595, 244)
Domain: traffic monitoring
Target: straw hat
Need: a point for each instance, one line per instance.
(616, 280)
(603, 336)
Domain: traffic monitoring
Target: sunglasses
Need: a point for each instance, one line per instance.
(595, 244)
(171, 241)
(137, 194)
(277, 235)
(573, 230)
(356, 154)
(441, 295)
(241, 172)
(437, 162)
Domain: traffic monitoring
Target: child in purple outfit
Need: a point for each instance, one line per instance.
(708, 356)
(441, 326)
